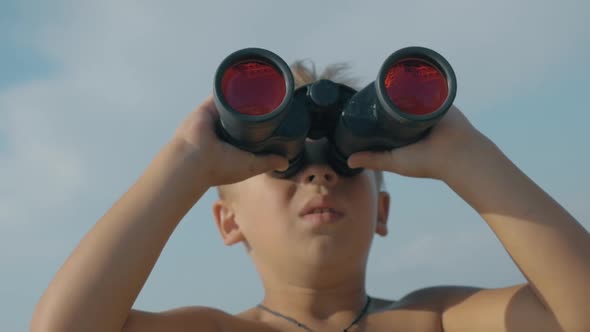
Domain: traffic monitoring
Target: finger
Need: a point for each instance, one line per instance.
(275, 163)
(401, 160)
(208, 106)
(258, 164)
(381, 160)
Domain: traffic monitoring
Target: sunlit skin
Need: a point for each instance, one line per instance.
(313, 266)
(297, 254)
(278, 232)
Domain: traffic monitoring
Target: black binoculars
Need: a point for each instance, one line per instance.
(261, 111)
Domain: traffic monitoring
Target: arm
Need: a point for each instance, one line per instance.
(97, 285)
(547, 244)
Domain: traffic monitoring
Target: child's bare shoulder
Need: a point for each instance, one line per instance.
(173, 320)
(194, 318)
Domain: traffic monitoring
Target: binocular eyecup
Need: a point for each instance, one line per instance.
(261, 110)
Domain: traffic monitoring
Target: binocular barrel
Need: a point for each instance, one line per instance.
(262, 112)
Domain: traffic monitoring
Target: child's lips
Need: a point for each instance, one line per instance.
(320, 210)
(319, 205)
(322, 216)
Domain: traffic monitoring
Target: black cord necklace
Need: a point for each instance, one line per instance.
(303, 326)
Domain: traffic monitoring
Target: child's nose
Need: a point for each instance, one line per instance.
(319, 174)
(317, 169)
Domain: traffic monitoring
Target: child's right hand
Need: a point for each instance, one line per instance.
(217, 161)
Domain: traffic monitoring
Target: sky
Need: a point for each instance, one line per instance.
(90, 91)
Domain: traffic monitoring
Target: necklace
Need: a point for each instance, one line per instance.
(303, 326)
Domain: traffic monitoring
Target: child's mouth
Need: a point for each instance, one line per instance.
(322, 216)
(321, 210)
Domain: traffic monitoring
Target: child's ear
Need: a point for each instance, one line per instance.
(225, 219)
(383, 201)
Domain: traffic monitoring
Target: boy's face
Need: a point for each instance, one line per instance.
(315, 217)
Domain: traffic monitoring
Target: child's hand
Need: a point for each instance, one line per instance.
(449, 142)
(215, 160)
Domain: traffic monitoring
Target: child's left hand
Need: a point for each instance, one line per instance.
(451, 141)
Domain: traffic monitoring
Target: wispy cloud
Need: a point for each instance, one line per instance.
(437, 250)
(148, 63)
(40, 168)
(124, 74)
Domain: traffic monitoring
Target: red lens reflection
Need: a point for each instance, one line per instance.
(416, 87)
(253, 87)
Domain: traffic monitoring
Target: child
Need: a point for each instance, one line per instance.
(309, 237)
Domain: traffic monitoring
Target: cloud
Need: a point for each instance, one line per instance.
(40, 169)
(130, 71)
(498, 49)
(456, 257)
(436, 250)
(124, 74)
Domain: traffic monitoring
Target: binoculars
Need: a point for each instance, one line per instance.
(261, 111)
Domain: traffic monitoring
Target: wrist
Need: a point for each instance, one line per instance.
(471, 159)
(184, 163)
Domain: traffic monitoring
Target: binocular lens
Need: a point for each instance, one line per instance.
(415, 86)
(253, 87)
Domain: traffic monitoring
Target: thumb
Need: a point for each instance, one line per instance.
(405, 161)
(381, 160)
(266, 163)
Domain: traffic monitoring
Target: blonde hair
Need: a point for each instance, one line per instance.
(304, 72)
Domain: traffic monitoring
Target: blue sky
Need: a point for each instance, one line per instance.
(89, 91)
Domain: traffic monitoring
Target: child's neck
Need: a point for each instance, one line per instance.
(307, 300)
